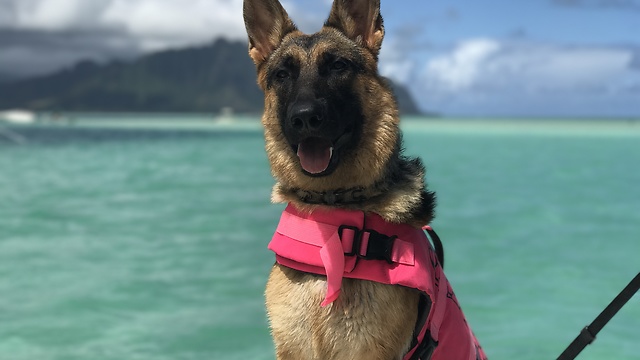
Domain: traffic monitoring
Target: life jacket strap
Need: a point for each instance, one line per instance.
(437, 243)
(425, 349)
(426, 337)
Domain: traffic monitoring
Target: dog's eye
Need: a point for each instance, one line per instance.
(282, 74)
(339, 65)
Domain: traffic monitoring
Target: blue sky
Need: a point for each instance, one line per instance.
(545, 20)
(570, 58)
(523, 58)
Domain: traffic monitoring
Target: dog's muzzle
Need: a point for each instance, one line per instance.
(313, 137)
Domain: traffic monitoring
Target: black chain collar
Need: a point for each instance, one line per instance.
(356, 195)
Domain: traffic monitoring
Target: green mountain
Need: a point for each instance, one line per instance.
(4, 78)
(197, 79)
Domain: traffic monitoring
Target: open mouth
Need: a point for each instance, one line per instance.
(315, 155)
(320, 155)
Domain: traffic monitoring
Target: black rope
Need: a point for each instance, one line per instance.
(588, 334)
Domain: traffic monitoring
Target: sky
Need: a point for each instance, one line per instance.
(533, 58)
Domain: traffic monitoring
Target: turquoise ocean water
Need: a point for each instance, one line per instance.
(127, 241)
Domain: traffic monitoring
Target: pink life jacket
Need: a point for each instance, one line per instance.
(344, 243)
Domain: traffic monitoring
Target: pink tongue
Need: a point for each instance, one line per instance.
(315, 155)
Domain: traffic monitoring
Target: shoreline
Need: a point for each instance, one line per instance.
(444, 125)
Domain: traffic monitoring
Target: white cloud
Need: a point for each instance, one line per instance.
(158, 24)
(491, 76)
(161, 24)
(394, 64)
(548, 68)
(489, 64)
(56, 14)
(461, 68)
(398, 70)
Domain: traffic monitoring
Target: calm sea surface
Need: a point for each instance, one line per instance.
(148, 242)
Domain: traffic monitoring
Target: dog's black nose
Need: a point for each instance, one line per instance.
(305, 115)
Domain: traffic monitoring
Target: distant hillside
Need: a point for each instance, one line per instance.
(6, 78)
(198, 79)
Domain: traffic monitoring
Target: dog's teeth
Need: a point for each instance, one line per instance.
(330, 152)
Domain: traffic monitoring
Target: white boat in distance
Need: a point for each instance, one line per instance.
(18, 116)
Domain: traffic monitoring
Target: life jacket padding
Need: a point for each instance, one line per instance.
(345, 243)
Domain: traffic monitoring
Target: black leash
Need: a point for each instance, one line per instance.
(588, 334)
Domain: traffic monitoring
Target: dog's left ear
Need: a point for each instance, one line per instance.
(360, 20)
(267, 23)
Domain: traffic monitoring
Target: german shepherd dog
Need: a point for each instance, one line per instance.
(331, 127)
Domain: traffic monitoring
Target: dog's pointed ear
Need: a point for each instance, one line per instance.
(360, 20)
(267, 24)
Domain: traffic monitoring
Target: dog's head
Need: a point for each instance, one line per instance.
(331, 122)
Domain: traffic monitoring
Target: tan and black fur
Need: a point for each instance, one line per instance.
(326, 86)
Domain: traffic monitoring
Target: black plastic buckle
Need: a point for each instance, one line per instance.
(356, 238)
(380, 246)
(586, 336)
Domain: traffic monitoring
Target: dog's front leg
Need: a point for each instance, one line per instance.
(292, 301)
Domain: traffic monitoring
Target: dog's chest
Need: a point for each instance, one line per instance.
(365, 312)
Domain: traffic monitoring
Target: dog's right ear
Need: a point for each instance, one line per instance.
(267, 24)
